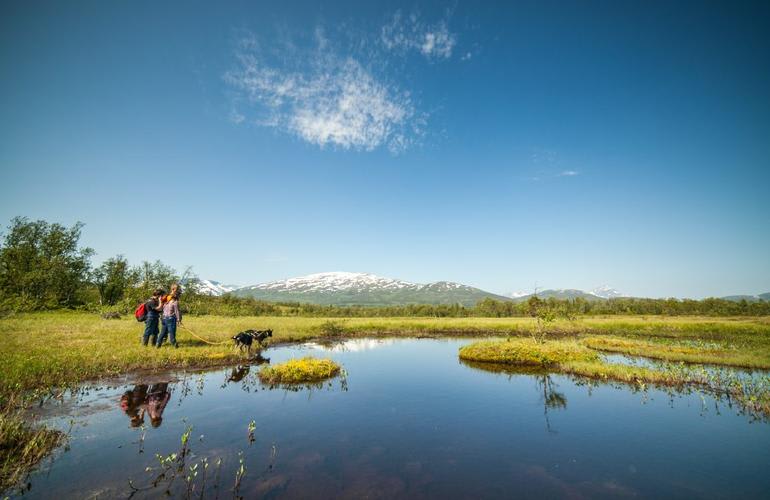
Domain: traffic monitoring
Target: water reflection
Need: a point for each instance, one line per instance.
(552, 398)
(349, 345)
(151, 400)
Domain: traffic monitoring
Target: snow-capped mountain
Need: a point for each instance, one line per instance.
(607, 292)
(602, 292)
(345, 288)
(335, 281)
(211, 287)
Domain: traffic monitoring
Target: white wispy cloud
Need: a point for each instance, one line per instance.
(324, 98)
(567, 173)
(406, 33)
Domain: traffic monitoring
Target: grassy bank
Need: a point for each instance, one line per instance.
(691, 351)
(44, 350)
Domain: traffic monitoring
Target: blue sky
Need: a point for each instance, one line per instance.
(542, 143)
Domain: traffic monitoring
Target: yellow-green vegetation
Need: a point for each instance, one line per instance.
(573, 358)
(299, 371)
(689, 352)
(527, 352)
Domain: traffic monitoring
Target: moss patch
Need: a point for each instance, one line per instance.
(299, 371)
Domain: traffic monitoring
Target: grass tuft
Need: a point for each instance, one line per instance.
(299, 371)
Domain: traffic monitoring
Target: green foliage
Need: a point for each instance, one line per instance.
(113, 278)
(41, 265)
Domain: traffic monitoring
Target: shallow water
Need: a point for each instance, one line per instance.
(408, 420)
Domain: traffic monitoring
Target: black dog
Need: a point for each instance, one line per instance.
(246, 338)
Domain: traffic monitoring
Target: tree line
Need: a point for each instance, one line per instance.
(44, 267)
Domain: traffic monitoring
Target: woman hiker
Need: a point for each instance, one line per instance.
(171, 317)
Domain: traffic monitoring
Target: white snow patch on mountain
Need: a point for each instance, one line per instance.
(346, 281)
(215, 288)
(606, 292)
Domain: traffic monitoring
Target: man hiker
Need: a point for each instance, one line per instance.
(153, 307)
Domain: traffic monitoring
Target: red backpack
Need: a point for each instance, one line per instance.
(141, 312)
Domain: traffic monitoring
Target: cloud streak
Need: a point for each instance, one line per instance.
(410, 33)
(325, 95)
(324, 98)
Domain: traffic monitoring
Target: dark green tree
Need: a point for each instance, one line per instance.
(42, 265)
(113, 278)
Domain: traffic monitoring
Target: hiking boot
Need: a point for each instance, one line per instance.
(176, 345)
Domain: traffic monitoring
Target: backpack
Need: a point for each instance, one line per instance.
(141, 312)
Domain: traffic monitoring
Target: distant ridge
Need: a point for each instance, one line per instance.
(748, 298)
(345, 288)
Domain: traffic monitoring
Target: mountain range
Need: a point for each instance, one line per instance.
(345, 288)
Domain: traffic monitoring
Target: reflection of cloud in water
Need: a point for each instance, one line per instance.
(352, 345)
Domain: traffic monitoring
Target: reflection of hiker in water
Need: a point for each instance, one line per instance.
(157, 399)
(133, 404)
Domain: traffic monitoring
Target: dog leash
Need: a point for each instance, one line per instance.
(201, 338)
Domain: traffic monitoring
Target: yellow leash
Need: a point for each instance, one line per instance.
(201, 338)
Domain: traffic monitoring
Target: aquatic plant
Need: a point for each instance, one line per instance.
(299, 371)
(22, 446)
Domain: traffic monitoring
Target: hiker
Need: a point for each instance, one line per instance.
(153, 308)
(171, 317)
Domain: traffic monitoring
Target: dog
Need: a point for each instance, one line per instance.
(246, 338)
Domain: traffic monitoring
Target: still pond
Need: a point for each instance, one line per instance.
(406, 420)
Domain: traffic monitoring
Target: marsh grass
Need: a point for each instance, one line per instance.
(60, 349)
(299, 371)
(686, 351)
(573, 358)
(22, 446)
